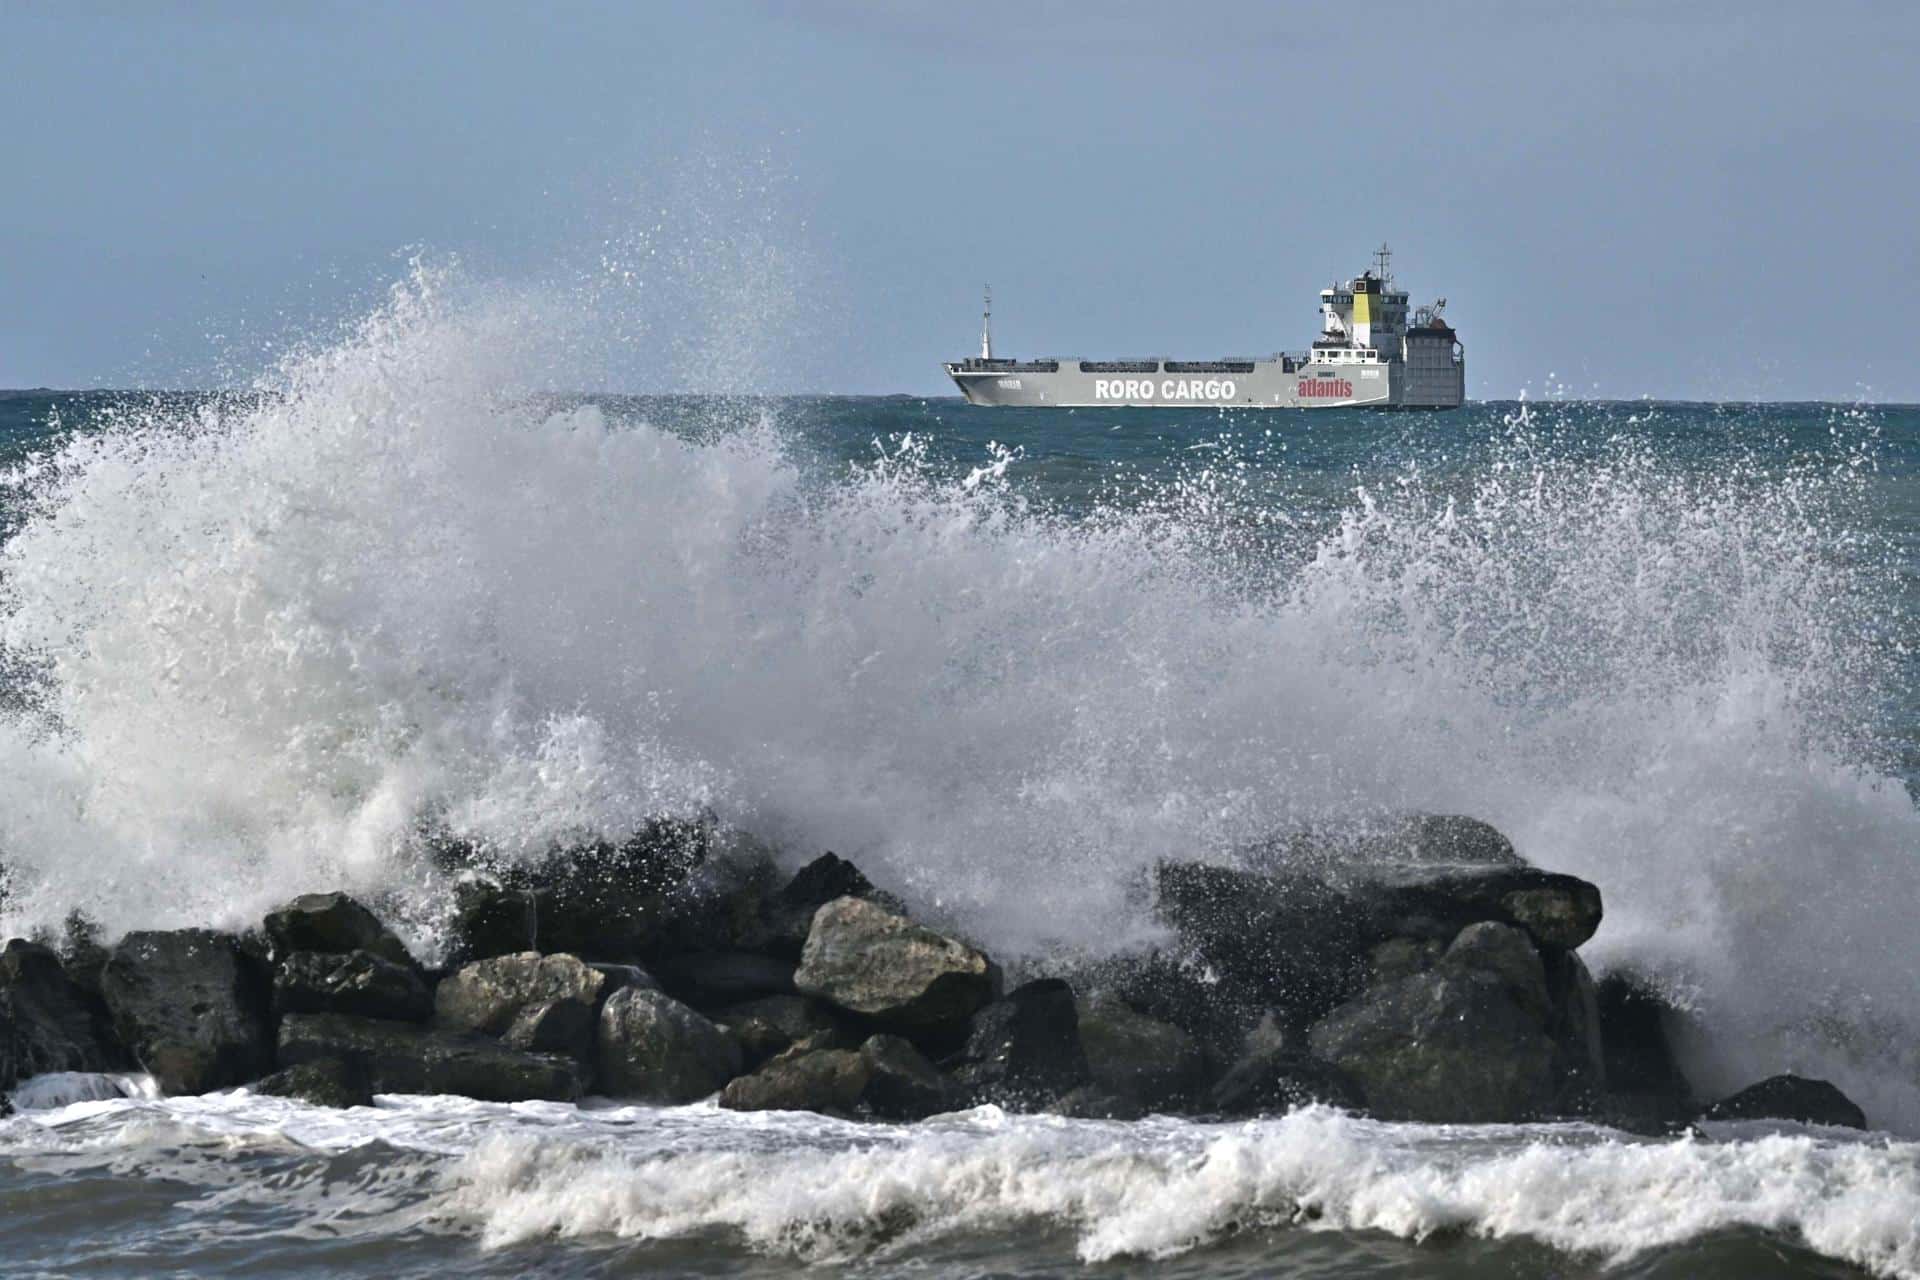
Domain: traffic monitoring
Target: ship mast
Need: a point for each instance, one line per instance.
(986, 324)
(1382, 256)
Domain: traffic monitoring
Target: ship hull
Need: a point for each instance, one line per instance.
(1269, 384)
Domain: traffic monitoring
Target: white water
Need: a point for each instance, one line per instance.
(816, 1190)
(275, 639)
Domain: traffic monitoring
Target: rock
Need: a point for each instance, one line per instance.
(1398, 958)
(790, 912)
(1438, 901)
(616, 900)
(490, 995)
(1272, 1080)
(1139, 1060)
(1091, 1102)
(56, 1024)
(830, 1081)
(324, 1082)
(1423, 838)
(332, 923)
(707, 978)
(901, 1083)
(1790, 1097)
(773, 1024)
(358, 983)
(1025, 1049)
(191, 1008)
(1645, 1087)
(82, 954)
(490, 919)
(402, 1057)
(1454, 1045)
(653, 1047)
(867, 960)
(1574, 1027)
(1296, 942)
(553, 1026)
(1181, 990)
(1507, 953)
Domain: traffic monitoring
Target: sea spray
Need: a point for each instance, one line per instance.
(263, 641)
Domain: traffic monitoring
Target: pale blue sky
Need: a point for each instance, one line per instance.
(1695, 200)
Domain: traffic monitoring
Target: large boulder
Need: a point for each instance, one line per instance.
(790, 911)
(332, 923)
(616, 901)
(1790, 1097)
(324, 1082)
(873, 962)
(653, 1047)
(709, 977)
(1644, 1085)
(488, 995)
(1025, 1050)
(490, 918)
(56, 1024)
(771, 1025)
(885, 1078)
(192, 1008)
(1574, 1026)
(1464, 1042)
(830, 1081)
(356, 982)
(1273, 1078)
(401, 1057)
(901, 1083)
(1138, 1059)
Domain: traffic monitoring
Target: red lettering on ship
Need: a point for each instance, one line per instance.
(1314, 387)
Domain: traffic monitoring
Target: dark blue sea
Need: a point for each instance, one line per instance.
(1004, 660)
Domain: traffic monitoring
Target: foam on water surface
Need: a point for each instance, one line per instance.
(818, 1191)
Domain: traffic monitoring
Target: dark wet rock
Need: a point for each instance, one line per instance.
(707, 978)
(53, 1023)
(1296, 943)
(82, 954)
(1790, 1097)
(1398, 958)
(1140, 1060)
(490, 919)
(1645, 1087)
(1453, 1045)
(1574, 1027)
(1181, 990)
(1024, 1049)
(553, 1026)
(790, 911)
(324, 1082)
(490, 995)
(653, 1047)
(403, 1057)
(618, 901)
(830, 1081)
(901, 1083)
(1507, 953)
(1423, 838)
(1438, 901)
(191, 1007)
(1091, 1102)
(357, 982)
(1273, 1080)
(870, 961)
(773, 1024)
(332, 923)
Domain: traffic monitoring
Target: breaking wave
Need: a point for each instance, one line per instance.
(259, 646)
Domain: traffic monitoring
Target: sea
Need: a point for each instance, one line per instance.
(269, 639)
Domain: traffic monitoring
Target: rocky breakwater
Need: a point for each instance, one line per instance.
(1423, 972)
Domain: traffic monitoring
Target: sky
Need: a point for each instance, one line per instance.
(1700, 201)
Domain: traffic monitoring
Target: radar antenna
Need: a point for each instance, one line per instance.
(986, 324)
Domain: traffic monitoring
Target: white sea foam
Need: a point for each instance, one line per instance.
(818, 1190)
(268, 641)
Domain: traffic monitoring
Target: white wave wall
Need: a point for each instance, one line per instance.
(264, 644)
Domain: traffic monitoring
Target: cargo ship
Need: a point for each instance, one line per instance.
(1371, 354)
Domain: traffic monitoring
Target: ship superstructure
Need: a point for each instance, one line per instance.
(1371, 353)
